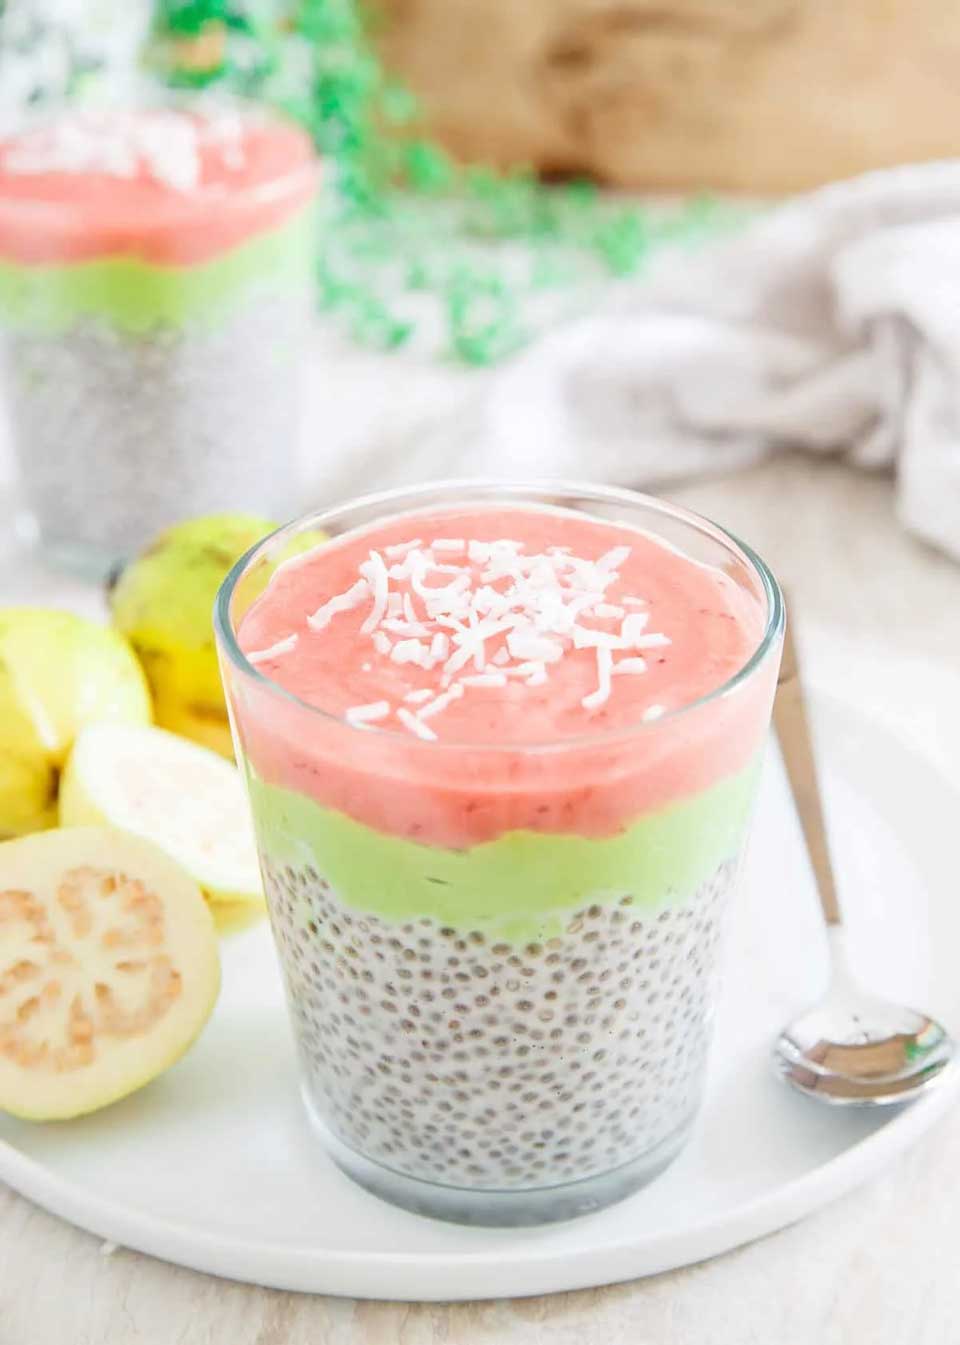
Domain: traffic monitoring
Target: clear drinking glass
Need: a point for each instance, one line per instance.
(459, 1062)
(156, 289)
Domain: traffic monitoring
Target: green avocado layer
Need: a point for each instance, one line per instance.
(522, 886)
(136, 295)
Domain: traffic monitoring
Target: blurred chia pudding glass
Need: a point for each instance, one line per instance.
(155, 293)
(501, 744)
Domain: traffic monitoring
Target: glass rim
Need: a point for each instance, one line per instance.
(521, 489)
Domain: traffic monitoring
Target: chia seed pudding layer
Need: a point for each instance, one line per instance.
(155, 281)
(454, 1059)
(122, 433)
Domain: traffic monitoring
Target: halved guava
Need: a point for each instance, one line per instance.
(58, 672)
(109, 968)
(183, 797)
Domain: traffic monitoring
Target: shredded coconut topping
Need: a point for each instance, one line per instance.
(487, 617)
(343, 602)
(401, 548)
(415, 724)
(366, 714)
(602, 693)
(284, 646)
(375, 575)
(442, 701)
(163, 143)
(634, 626)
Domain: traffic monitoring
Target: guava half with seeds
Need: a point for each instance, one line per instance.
(183, 797)
(109, 969)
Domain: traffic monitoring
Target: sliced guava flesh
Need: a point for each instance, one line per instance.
(183, 797)
(109, 969)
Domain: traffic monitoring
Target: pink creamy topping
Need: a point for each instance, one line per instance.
(172, 187)
(500, 626)
(442, 646)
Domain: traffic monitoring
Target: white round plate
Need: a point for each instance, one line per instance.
(214, 1167)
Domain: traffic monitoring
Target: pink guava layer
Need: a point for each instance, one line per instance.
(247, 182)
(515, 757)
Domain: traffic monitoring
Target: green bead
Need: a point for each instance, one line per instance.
(621, 241)
(427, 167)
(482, 316)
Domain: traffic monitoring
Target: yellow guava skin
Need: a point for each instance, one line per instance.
(162, 602)
(58, 673)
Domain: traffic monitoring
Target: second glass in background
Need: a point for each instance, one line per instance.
(156, 269)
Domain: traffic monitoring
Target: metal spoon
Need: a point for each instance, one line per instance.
(852, 1048)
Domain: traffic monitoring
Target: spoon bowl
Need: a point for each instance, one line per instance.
(854, 1049)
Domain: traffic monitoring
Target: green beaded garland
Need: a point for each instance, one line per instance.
(405, 219)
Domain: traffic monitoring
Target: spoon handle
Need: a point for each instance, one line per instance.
(796, 746)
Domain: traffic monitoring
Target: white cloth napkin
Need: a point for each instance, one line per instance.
(831, 323)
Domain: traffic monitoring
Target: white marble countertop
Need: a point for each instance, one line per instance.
(877, 1268)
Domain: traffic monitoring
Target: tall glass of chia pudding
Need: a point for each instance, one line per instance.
(502, 743)
(155, 292)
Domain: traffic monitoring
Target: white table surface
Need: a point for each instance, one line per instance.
(877, 1268)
